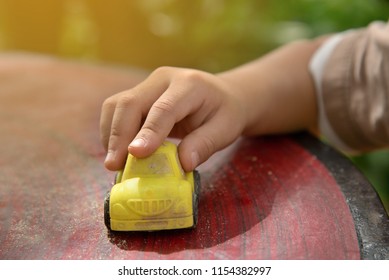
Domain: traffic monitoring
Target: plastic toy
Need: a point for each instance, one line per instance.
(153, 193)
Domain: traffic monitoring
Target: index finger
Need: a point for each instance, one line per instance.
(173, 106)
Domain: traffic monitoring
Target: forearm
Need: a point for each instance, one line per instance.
(277, 90)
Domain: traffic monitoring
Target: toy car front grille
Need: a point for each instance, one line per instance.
(149, 207)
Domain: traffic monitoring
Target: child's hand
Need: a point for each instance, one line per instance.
(273, 94)
(196, 106)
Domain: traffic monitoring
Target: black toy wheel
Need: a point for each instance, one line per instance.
(107, 218)
(196, 194)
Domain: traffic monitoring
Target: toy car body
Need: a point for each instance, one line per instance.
(153, 193)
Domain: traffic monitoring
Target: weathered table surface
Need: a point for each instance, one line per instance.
(280, 197)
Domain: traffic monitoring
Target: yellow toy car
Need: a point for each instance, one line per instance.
(153, 193)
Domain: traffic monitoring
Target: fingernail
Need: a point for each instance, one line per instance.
(110, 156)
(138, 143)
(195, 159)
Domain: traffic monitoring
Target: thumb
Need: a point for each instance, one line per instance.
(202, 143)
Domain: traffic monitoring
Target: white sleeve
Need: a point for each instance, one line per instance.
(316, 68)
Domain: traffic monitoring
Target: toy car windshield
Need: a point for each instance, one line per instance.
(154, 166)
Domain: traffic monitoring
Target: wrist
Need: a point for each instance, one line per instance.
(276, 91)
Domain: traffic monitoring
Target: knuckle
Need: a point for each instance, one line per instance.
(193, 76)
(127, 101)
(194, 81)
(209, 146)
(113, 139)
(162, 70)
(159, 121)
(109, 103)
(115, 132)
(151, 128)
(163, 107)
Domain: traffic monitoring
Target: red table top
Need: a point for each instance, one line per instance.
(284, 197)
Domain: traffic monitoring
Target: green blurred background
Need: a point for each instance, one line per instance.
(211, 35)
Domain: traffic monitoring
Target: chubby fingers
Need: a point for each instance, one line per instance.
(190, 104)
(180, 100)
(121, 118)
(160, 101)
